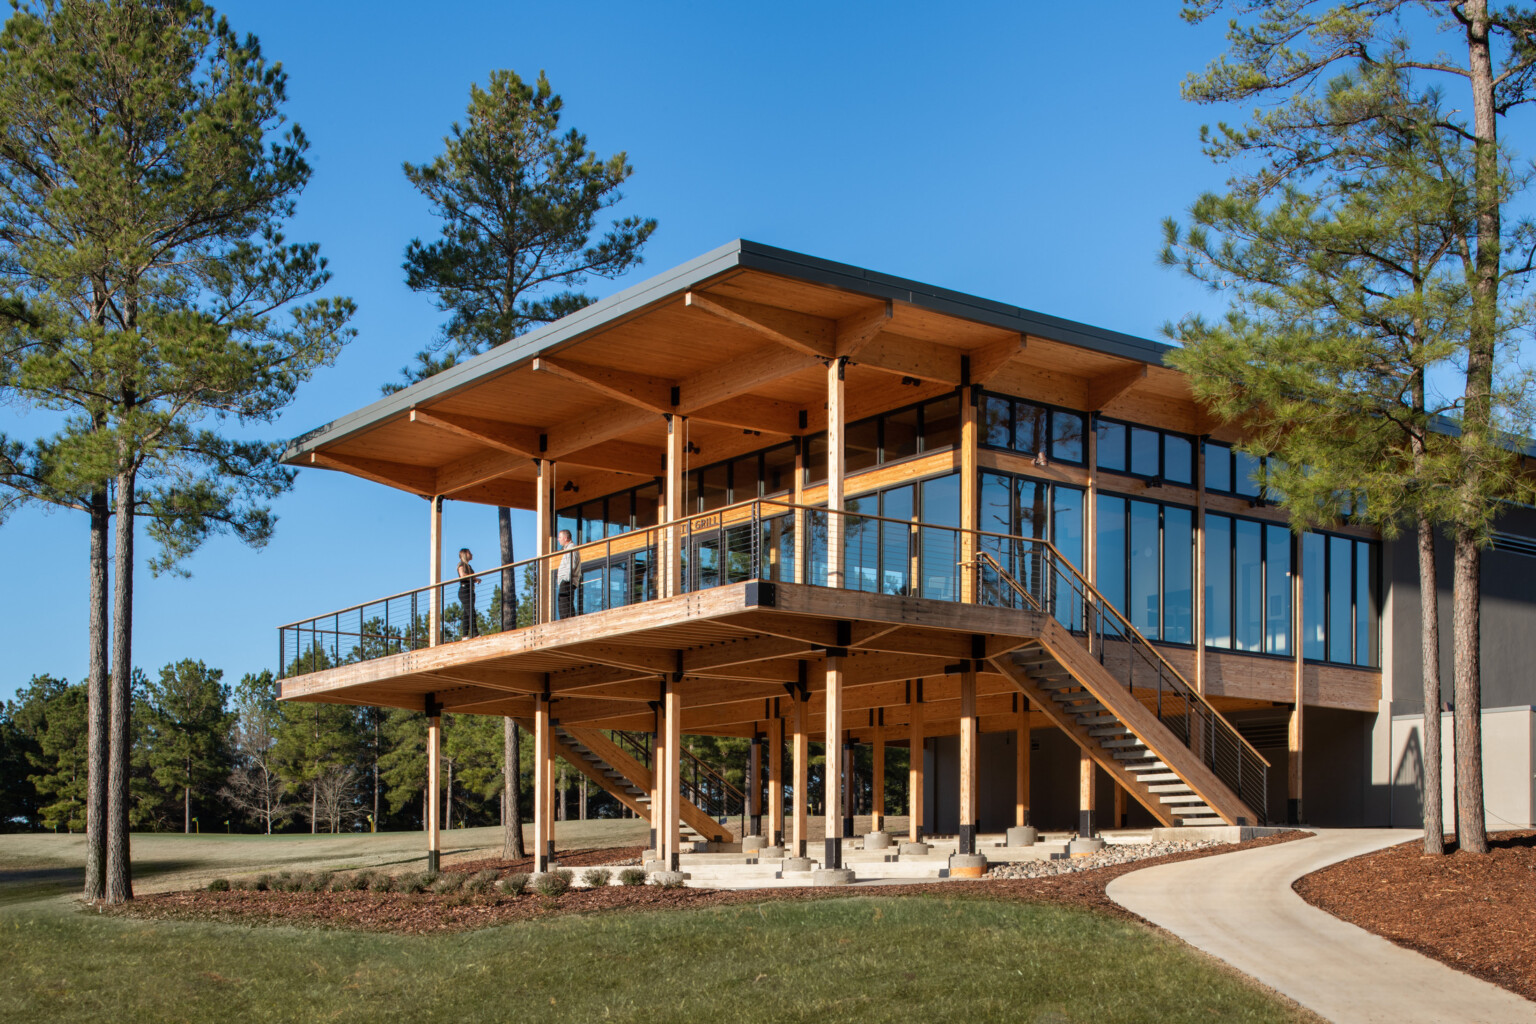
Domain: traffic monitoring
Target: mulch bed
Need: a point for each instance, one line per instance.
(425, 913)
(1470, 912)
(606, 856)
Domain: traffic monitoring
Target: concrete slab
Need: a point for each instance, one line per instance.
(1241, 908)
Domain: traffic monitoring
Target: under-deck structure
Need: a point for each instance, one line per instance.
(814, 504)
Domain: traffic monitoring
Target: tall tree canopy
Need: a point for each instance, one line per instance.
(1368, 234)
(519, 201)
(146, 170)
(187, 731)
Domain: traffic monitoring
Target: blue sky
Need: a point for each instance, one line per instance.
(1023, 152)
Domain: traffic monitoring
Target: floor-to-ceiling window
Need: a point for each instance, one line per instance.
(1145, 565)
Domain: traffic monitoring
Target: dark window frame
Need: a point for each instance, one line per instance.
(1050, 426)
(1162, 452)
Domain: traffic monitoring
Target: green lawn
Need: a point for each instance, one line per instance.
(856, 959)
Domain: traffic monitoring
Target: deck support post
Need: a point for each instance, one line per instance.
(1119, 806)
(834, 764)
(674, 771)
(802, 775)
(877, 775)
(1087, 826)
(776, 779)
(435, 572)
(543, 517)
(671, 540)
(915, 763)
(968, 760)
(755, 784)
(434, 712)
(1021, 754)
(658, 777)
(543, 785)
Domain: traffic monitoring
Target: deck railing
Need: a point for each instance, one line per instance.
(775, 540)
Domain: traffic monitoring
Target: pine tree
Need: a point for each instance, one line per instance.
(52, 713)
(318, 751)
(145, 174)
(519, 201)
(187, 731)
(1291, 56)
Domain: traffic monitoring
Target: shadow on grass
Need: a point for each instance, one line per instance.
(27, 884)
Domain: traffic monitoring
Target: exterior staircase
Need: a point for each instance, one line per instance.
(1129, 710)
(618, 772)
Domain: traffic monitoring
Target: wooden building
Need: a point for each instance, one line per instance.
(810, 503)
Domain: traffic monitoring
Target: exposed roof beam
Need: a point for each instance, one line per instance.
(619, 457)
(749, 412)
(479, 468)
(507, 437)
(912, 357)
(1107, 387)
(812, 335)
(597, 427)
(987, 362)
(418, 479)
(640, 659)
(739, 376)
(653, 393)
(859, 329)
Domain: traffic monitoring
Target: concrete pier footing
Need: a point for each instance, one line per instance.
(877, 841)
(914, 849)
(1022, 835)
(1083, 847)
(798, 864)
(832, 876)
(967, 865)
(752, 844)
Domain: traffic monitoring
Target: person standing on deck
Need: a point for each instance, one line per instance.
(466, 595)
(565, 575)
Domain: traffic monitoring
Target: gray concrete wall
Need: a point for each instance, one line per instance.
(1509, 769)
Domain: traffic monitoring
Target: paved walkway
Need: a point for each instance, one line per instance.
(1240, 908)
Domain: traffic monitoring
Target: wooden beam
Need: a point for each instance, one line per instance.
(751, 412)
(434, 789)
(739, 376)
(595, 428)
(512, 438)
(1021, 764)
(877, 776)
(416, 479)
(915, 763)
(857, 330)
(776, 780)
(435, 571)
(646, 392)
(812, 335)
(987, 362)
(673, 769)
(969, 740)
(801, 784)
(911, 357)
(1105, 388)
(478, 468)
(834, 766)
(627, 457)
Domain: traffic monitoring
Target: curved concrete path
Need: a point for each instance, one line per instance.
(1241, 908)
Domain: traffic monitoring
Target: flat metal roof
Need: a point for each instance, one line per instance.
(739, 254)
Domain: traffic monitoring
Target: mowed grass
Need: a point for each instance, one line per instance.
(853, 959)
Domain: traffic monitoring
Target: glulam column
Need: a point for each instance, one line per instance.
(877, 775)
(1087, 826)
(834, 764)
(674, 772)
(435, 571)
(1021, 781)
(755, 783)
(434, 712)
(836, 470)
(671, 539)
(915, 763)
(968, 760)
(543, 786)
(543, 522)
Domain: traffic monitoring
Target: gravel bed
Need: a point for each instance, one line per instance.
(1118, 853)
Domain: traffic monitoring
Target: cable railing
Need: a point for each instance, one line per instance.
(779, 541)
(1051, 582)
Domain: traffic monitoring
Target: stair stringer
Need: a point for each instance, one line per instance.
(640, 777)
(1067, 723)
(1070, 653)
(586, 768)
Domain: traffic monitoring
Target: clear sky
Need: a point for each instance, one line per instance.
(1024, 152)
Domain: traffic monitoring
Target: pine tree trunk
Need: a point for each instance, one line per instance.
(1476, 424)
(98, 716)
(1429, 602)
(512, 792)
(119, 887)
(1471, 828)
(186, 810)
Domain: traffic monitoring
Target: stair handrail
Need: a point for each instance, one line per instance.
(728, 792)
(1101, 602)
